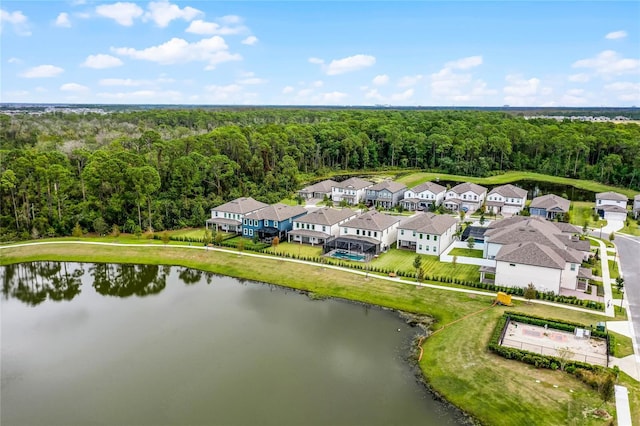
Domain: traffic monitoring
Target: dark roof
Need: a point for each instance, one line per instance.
(477, 232)
(428, 223)
(567, 227)
(241, 205)
(324, 186)
(530, 253)
(372, 220)
(429, 186)
(610, 195)
(612, 208)
(509, 191)
(551, 201)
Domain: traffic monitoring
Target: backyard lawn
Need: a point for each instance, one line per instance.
(402, 260)
(582, 212)
(188, 233)
(295, 249)
(465, 252)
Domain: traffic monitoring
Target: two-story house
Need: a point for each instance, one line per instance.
(370, 233)
(425, 196)
(351, 190)
(611, 205)
(427, 233)
(506, 199)
(318, 190)
(636, 206)
(385, 194)
(272, 221)
(467, 197)
(228, 217)
(549, 206)
(317, 226)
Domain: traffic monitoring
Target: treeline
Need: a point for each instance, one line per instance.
(165, 169)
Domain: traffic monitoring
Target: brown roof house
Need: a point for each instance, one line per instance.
(549, 206)
(427, 233)
(318, 226)
(228, 217)
(370, 233)
(506, 199)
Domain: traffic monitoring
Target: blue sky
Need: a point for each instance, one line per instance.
(471, 53)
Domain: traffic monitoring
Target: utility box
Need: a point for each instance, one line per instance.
(601, 326)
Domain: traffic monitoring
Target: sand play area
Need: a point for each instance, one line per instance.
(544, 341)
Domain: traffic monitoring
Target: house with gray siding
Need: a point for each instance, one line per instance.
(385, 194)
(317, 226)
(549, 206)
(228, 217)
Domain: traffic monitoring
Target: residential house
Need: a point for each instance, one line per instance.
(385, 194)
(351, 190)
(533, 250)
(317, 226)
(425, 196)
(549, 206)
(370, 233)
(272, 221)
(611, 205)
(318, 190)
(636, 206)
(506, 199)
(467, 197)
(228, 217)
(427, 233)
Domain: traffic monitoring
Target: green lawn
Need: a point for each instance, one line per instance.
(465, 252)
(188, 233)
(402, 260)
(633, 227)
(582, 212)
(624, 345)
(613, 269)
(295, 249)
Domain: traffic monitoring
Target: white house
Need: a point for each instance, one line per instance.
(533, 250)
(466, 196)
(636, 206)
(228, 217)
(423, 196)
(427, 233)
(371, 233)
(611, 205)
(317, 190)
(351, 190)
(318, 226)
(506, 199)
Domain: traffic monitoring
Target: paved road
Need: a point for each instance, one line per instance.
(629, 253)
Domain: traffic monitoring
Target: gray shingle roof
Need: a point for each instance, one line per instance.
(429, 186)
(567, 227)
(389, 185)
(610, 195)
(468, 186)
(428, 223)
(372, 220)
(242, 205)
(510, 191)
(324, 186)
(277, 212)
(326, 216)
(611, 208)
(530, 253)
(551, 202)
(354, 182)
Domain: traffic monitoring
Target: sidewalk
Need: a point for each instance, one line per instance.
(606, 280)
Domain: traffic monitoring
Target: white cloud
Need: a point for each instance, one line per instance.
(465, 63)
(380, 80)
(524, 92)
(333, 97)
(615, 35)
(409, 80)
(625, 91)
(316, 61)
(18, 21)
(250, 41)
(609, 63)
(350, 64)
(445, 81)
(211, 50)
(73, 87)
(144, 96)
(373, 94)
(212, 28)
(231, 19)
(101, 61)
(252, 81)
(127, 82)
(123, 13)
(230, 93)
(403, 96)
(288, 89)
(579, 78)
(42, 71)
(304, 92)
(63, 20)
(162, 13)
(14, 60)
(318, 83)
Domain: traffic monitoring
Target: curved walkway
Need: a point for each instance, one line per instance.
(606, 279)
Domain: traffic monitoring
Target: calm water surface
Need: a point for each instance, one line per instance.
(87, 344)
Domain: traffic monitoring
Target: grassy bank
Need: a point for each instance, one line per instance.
(455, 362)
(414, 179)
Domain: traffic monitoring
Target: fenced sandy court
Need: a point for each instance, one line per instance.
(547, 341)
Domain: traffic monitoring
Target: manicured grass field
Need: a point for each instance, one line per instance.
(465, 252)
(188, 233)
(582, 212)
(624, 345)
(414, 179)
(455, 362)
(295, 249)
(632, 229)
(402, 260)
(613, 269)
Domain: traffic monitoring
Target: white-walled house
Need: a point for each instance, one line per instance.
(506, 199)
(351, 190)
(427, 233)
(423, 196)
(318, 226)
(371, 233)
(636, 206)
(465, 196)
(611, 205)
(228, 217)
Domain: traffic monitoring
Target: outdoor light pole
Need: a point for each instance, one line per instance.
(600, 231)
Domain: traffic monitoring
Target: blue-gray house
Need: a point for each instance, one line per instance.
(272, 221)
(549, 206)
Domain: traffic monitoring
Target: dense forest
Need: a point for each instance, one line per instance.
(164, 169)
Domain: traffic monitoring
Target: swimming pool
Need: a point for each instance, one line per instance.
(343, 254)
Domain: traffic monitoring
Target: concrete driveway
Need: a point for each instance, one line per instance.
(612, 226)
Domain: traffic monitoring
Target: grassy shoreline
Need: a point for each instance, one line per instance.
(456, 363)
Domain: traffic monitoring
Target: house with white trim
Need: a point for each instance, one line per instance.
(351, 190)
(317, 226)
(228, 217)
(272, 221)
(318, 190)
(426, 233)
(370, 233)
(611, 205)
(385, 194)
(549, 206)
(425, 196)
(466, 196)
(506, 199)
